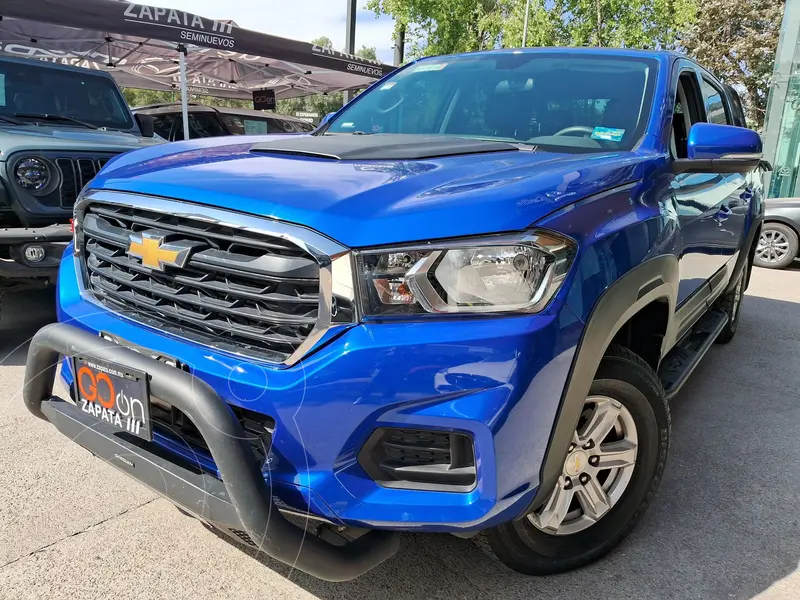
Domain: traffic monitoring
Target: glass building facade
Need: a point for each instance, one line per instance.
(782, 128)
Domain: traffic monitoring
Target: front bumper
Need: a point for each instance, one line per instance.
(497, 380)
(52, 239)
(240, 500)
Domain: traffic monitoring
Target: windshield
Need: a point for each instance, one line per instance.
(32, 89)
(571, 103)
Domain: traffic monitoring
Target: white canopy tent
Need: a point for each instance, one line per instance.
(165, 49)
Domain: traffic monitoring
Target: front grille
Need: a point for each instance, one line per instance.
(419, 458)
(239, 290)
(75, 174)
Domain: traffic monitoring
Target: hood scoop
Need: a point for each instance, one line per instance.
(377, 146)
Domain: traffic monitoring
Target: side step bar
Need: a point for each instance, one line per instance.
(682, 360)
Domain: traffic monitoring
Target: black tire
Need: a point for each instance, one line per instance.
(791, 254)
(627, 378)
(731, 304)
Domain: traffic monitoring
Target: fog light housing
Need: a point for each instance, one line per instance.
(421, 459)
(34, 253)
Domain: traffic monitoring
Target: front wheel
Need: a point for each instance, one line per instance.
(611, 473)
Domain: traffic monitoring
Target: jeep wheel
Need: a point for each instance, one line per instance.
(609, 478)
(777, 246)
(731, 305)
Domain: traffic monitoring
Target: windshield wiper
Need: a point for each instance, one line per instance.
(45, 117)
(8, 119)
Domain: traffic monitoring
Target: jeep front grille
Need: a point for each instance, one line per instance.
(75, 174)
(241, 290)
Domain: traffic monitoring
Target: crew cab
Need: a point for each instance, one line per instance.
(462, 305)
(58, 126)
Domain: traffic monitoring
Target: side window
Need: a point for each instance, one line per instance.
(278, 126)
(715, 103)
(203, 125)
(162, 124)
(688, 103)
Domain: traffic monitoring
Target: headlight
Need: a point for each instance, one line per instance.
(497, 274)
(32, 174)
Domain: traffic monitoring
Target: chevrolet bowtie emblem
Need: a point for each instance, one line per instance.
(150, 247)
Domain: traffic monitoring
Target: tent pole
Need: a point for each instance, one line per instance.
(350, 37)
(184, 93)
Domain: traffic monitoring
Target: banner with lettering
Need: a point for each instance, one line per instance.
(138, 44)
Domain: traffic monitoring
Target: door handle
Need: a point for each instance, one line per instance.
(723, 213)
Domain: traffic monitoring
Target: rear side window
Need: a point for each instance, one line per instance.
(304, 127)
(163, 125)
(279, 126)
(239, 125)
(205, 125)
(715, 104)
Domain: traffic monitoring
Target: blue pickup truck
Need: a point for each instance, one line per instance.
(461, 305)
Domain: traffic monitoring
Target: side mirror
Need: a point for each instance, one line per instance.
(713, 148)
(145, 123)
(326, 118)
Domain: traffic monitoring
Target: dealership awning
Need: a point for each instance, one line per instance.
(142, 47)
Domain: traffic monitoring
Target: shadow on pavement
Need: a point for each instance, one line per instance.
(725, 523)
(23, 314)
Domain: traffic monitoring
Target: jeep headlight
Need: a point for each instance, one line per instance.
(32, 174)
(495, 274)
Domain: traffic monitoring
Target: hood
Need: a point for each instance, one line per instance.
(363, 203)
(15, 138)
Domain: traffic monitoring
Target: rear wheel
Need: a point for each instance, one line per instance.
(612, 470)
(777, 246)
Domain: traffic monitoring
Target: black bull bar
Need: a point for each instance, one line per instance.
(241, 499)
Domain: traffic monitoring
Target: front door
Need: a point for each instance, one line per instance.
(732, 216)
(703, 200)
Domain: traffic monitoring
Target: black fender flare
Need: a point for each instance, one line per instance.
(747, 251)
(654, 279)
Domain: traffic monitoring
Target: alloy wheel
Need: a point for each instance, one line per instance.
(773, 246)
(596, 472)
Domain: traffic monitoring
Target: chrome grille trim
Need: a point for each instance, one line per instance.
(336, 271)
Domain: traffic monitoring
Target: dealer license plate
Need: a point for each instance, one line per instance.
(114, 394)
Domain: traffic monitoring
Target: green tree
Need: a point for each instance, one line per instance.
(651, 24)
(737, 40)
(367, 52)
(447, 26)
(323, 41)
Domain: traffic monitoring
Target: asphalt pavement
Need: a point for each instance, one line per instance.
(725, 523)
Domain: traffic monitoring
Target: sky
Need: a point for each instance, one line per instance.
(296, 19)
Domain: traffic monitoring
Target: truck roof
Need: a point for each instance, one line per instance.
(53, 65)
(573, 50)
